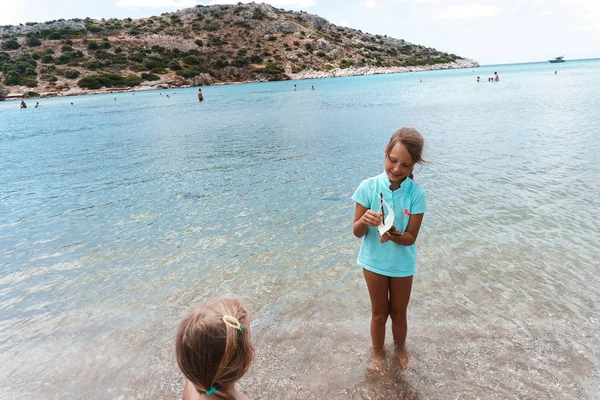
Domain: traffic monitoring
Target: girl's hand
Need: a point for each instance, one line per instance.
(371, 218)
(385, 237)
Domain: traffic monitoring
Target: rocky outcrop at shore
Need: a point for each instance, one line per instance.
(356, 71)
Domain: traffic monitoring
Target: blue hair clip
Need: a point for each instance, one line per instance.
(211, 390)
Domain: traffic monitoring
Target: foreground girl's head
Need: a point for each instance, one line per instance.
(404, 150)
(213, 346)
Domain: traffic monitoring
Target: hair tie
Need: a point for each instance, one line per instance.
(232, 322)
(211, 390)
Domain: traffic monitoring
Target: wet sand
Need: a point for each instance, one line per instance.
(475, 331)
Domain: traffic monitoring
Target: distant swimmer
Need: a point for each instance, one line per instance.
(37, 104)
(23, 105)
(497, 77)
(115, 99)
(555, 72)
(420, 80)
(312, 87)
(200, 96)
(477, 79)
(168, 96)
(71, 103)
(294, 88)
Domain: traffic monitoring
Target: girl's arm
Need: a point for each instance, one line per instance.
(410, 235)
(363, 218)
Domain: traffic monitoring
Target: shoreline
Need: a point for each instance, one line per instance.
(360, 71)
(305, 74)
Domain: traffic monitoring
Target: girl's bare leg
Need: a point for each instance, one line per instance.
(400, 289)
(378, 286)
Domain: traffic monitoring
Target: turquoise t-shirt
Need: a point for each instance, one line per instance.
(389, 258)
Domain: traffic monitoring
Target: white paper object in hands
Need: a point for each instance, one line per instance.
(389, 219)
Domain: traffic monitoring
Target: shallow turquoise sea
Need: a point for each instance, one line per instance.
(121, 211)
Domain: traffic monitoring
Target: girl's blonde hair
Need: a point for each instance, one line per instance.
(211, 353)
(413, 142)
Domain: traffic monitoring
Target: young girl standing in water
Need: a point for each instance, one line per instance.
(389, 260)
(214, 350)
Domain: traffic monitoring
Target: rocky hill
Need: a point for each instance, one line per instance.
(202, 45)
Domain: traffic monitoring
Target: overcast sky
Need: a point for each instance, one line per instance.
(489, 31)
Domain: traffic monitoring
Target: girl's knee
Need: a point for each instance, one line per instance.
(380, 318)
(398, 316)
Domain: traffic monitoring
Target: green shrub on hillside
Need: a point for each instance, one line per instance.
(71, 74)
(93, 65)
(239, 62)
(16, 69)
(174, 66)
(151, 63)
(137, 67)
(29, 81)
(271, 68)
(108, 80)
(33, 41)
(132, 80)
(345, 64)
(49, 78)
(93, 28)
(258, 14)
(220, 64)
(216, 41)
(4, 56)
(150, 77)
(11, 44)
(191, 60)
(416, 62)
(190, 72)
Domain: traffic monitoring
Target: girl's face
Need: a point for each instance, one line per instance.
(398, 163)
